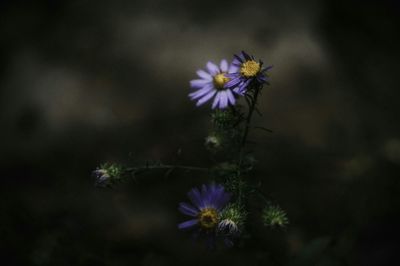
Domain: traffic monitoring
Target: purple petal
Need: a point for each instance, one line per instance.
(216, 100)
(237, 59)
(232, 75)
(205, 195)
(246, 56)
(221, 202)
(261, 79)
(266, 68)
(206, 98)
(195, 197)
(209, 191)
(238, 91)
(214, 193)
(204, 75)
(233, 68)
(199, 83)
(212, 68)
(201, 92)
(233, 82)
(231, 98)
(244, 85)
(223, 103)
(224, 65)
(188, 209)
(236, 63)
(188, 224)
(221, 198)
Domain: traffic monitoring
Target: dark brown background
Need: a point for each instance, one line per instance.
(83, 82)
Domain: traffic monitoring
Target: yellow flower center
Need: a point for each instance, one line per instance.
(220, 80)
(250, 68)
(208, 218)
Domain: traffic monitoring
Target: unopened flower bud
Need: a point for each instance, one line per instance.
(231, 220)
(107, 174)
(274, 216)
(213, 142)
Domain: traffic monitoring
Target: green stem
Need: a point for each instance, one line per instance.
(252, 107)
(144, 168)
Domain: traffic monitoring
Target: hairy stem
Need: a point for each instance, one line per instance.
(148, 167)
(252, 107)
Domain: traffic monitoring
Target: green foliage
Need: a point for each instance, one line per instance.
(227, 118)
(226, 134)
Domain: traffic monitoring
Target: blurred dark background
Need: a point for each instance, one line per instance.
(84, 82)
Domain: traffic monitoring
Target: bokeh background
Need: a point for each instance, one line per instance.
(84, 82)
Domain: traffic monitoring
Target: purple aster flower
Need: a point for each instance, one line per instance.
(247, 71)
(212, 84)
(205, 209)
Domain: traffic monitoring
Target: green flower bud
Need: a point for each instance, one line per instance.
(274, 216)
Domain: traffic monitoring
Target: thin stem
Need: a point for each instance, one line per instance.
(164, 166)
(252, 107)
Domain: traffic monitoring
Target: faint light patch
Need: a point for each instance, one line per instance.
(391, 150)
(297, 50)
(145, 223)
(140, 221)
(308, 124)
(357, 166)
(67, 97)
(301, 111)
(295, 241)
(168, 46)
